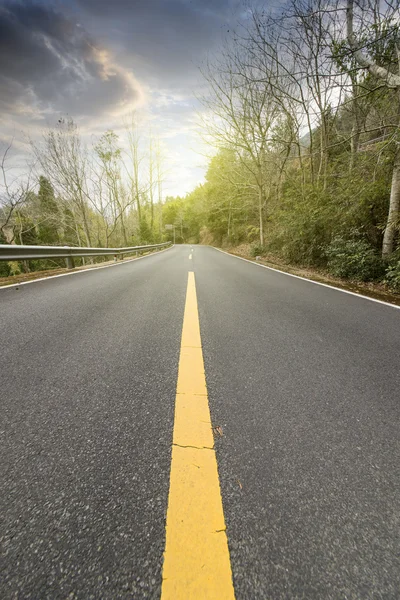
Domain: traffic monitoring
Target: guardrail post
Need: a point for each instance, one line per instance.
(70, 262)
(69, 259)
(115, 257)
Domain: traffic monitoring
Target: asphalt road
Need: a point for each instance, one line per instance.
(303, 380)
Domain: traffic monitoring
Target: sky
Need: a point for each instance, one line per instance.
(98, 60)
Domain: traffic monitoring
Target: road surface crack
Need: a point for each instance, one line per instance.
(195, 447)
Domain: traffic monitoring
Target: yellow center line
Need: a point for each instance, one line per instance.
(196, 558)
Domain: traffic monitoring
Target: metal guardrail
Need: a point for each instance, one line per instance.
(15, 252)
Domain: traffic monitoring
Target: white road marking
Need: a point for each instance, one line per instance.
(190, 257)
(332, 287)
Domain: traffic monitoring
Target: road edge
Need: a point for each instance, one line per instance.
(332, 287)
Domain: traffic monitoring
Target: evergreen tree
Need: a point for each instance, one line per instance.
(49, 215)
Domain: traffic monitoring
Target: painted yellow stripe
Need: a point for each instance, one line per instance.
(196, 557)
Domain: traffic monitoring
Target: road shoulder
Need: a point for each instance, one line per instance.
(363, 290)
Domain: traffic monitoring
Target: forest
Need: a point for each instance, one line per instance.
(301, 118)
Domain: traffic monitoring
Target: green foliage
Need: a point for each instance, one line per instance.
(257, 250)
(252, 233)
(27, 232)
(107, 148)
(5, 270)
(49, 214)
(14, 268)
(185, 216)
(353, 259)
(392, 278)
(145, 233)
(302, 224)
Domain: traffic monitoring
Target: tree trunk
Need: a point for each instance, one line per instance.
(137, 201)
(124, 229)
(260, 213)
(356, 128)
(77, 232)
(394, 208)
(85, 223)
(354, 145)
(9, 234)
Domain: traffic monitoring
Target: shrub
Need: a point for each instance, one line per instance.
(353, 259)
(302, 225)
(392, 278)
(15, 267)
(257, 250)
(5, 270)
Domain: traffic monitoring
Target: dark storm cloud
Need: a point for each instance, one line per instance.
(172, 36)
(50, 63)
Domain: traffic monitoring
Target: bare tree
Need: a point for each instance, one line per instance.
(385, 27)
(160, 179)
(14, 191)
(109, 155)
(133, 165)
(293, 52)
(64, 160)
(151, 182)
(243, 113)
(273, 55)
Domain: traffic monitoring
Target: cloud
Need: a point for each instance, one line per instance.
(166, 39)
(97, 59)
(50, 64)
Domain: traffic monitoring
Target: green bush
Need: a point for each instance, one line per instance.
(392, 278)
(302, 225)
(257, 250)
(353, 259)
(5, 270)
